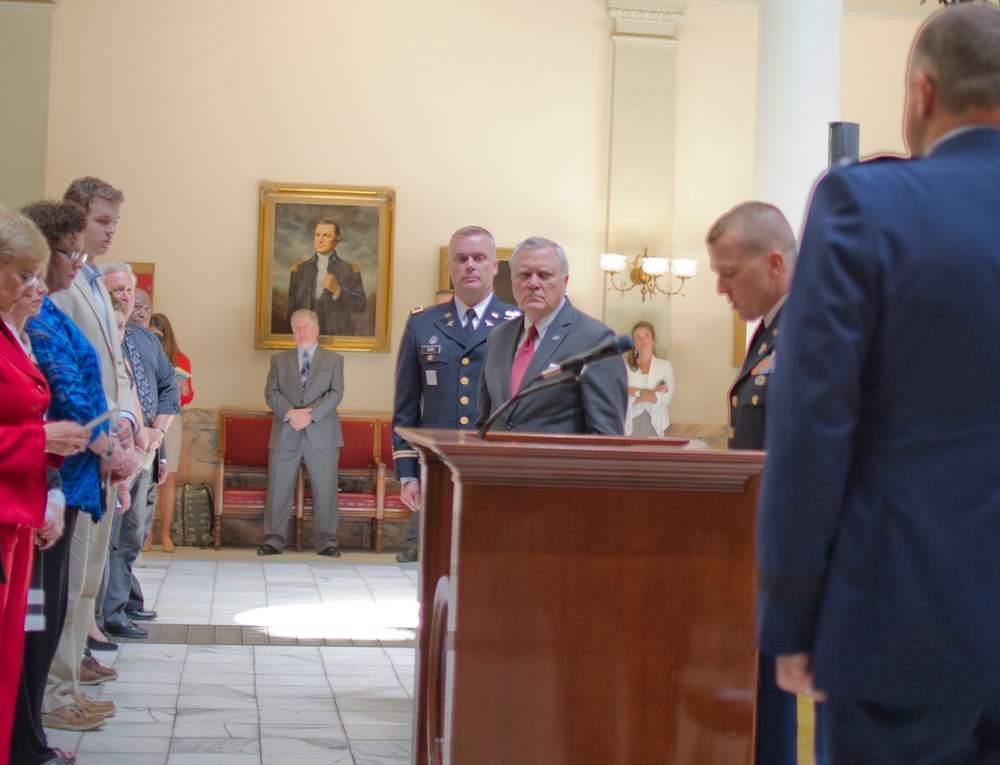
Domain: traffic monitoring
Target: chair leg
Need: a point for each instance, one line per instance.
(377, 531)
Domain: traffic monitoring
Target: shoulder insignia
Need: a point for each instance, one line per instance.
(354, 267)
(416, 310)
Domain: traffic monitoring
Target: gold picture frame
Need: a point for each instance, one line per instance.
(739, 340)
(501, 282)
(289, 215)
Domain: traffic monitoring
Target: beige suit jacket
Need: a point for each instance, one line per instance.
(80, 304)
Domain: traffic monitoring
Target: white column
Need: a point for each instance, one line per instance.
(799, 48)
(641, 156)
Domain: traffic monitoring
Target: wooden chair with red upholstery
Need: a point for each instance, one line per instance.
(243, 437)
(357, 459)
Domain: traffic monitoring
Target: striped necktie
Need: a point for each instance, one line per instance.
(304, 372)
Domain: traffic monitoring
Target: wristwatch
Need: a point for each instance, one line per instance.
(110, 452)
(638, 393)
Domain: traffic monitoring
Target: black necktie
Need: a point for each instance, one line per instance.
(470, 321)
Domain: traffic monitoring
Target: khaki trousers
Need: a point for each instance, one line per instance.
(87, 556)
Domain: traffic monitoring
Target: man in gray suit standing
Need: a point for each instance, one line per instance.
(304, 388)
(550, 331)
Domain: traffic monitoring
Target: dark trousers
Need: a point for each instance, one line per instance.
(28, 745)
(777, 719)
(944, 733)
(778, 722)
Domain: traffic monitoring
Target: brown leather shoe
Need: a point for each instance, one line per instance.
(71, 717)
(93, 673)
(93, 707)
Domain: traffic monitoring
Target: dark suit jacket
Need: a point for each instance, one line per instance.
(437, 373)
(324, 390)
(879, 516)
(748, 396)
(334, 315)
(596, 404)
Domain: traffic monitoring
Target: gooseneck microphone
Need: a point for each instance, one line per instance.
(616, 346)
(568, 372)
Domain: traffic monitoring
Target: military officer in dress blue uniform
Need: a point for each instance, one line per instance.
(752, 251)
(440, 357)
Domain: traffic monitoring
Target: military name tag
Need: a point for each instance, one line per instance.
(429, 349)
(432, 377)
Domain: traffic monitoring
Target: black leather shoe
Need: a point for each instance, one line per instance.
(410, 556)
(127, 630)
(141, 616)
(267, 549)
(101, 645)
(331, 552)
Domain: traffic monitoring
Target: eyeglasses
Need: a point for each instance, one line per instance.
(29, 280)
(76, 257)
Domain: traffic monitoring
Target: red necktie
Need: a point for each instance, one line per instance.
(521, 359)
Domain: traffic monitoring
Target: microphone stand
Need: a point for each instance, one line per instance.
(567, 378)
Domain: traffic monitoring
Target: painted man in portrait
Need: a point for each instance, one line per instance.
(326, 284)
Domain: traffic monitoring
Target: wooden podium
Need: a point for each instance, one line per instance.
(584, 600)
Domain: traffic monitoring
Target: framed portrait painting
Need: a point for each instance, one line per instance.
(327, 249)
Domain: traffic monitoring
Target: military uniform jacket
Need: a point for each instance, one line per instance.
(748, 396)
(334, 315)
(437, 373)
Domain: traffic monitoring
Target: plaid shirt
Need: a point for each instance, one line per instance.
(73, 370)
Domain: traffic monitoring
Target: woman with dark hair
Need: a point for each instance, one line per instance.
(159, 324)
(650, 385)
(26, 440)
(71, 366)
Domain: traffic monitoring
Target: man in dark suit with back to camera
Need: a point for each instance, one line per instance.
(304, 388)
(327, 285)
(440, 356)
(879, 515)
(751, 249)
(551, 331)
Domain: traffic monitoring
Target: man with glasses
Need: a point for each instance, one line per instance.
(159, 401)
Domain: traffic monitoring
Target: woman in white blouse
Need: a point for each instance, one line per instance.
(650, 386)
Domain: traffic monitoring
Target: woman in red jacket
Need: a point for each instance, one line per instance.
(25, 442)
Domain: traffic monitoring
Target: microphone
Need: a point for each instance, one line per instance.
(616, 346)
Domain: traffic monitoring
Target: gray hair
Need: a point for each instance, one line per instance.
(115, 266)
(313, 316)
(959, 49)
(540, 243)
(472, 231)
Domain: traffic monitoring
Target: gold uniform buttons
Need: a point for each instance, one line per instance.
(464, 381)
(464, 400)
(465, 361)
(735, 400)
(463, 420)
(732, 433)
(755, 400)
(430, 358)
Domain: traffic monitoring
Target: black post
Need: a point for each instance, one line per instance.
(845, 138)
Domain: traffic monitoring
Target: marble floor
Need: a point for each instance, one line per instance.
(319, 668)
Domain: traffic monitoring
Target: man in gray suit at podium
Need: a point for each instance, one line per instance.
(550, 331)
(304, 388)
